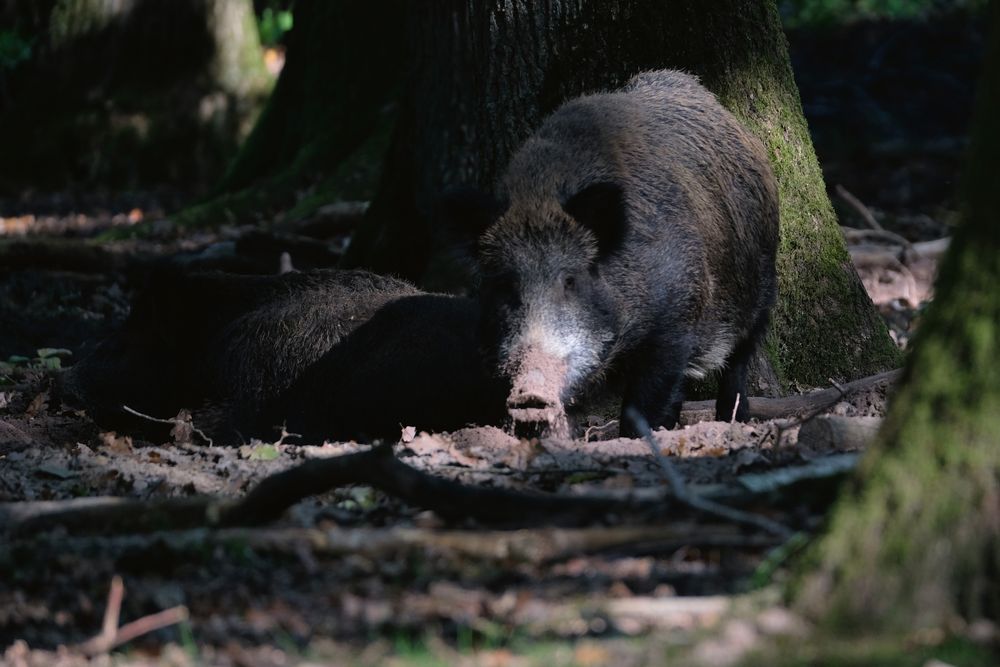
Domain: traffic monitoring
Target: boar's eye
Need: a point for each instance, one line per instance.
(569, 284)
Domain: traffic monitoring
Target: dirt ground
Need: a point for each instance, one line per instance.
(357, 576)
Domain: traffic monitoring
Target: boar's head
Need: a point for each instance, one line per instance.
(550, 319)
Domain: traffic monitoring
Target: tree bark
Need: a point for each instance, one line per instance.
(130, 93)
(916, 541)
(483, 75)
(330, 115)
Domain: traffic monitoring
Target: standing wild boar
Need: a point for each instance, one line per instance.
(635, 230)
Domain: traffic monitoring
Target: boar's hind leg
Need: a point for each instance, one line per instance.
(734, 376)
(655, 388)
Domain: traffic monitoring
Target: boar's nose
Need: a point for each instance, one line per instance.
(534, 405)
(529, 392)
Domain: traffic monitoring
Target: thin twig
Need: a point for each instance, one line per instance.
(111, 635)
(679, 489)
(286, 434)
(858, 206)
(151, 623)
(732, 419)
(102, 641)
(175, 421)
(601, 428)
(878, 234)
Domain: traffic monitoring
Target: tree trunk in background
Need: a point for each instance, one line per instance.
(917, 540)
(484, 74)
(341, 75)
(129, 93)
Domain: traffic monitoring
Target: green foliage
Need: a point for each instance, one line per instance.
(273, 23)
(804, 13)
(15, 49)
(863, 651)
(260, 452)
(48, 358)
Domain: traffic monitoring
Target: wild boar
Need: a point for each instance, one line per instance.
(635, 231)
(328, 354)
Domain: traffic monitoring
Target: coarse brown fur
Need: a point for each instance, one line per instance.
(690, 275)
(330, 354)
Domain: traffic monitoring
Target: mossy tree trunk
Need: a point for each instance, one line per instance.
(335, 97)
(129, 94)
(484, 74)
(916, 541)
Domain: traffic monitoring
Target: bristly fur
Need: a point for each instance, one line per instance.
(330, 354)
(686, 285)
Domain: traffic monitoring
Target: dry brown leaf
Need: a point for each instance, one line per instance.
(116, 443)
(589, 654)
(38, 404)
(183, 429)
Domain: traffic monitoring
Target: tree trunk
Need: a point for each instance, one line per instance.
(916, 541)
(129, 93)
(330, 115)
(483, 76)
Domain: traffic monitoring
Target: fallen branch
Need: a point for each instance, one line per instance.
(378, 467)
(526, 545)
(108, 515)
(858, 206)
(679, 489)
(794, 406)
(827, 432)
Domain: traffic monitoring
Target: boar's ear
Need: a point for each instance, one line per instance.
(465, 213)
(601, 209)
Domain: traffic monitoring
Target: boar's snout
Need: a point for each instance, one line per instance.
(535, 402)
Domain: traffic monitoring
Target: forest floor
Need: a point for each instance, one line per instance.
(357, 576)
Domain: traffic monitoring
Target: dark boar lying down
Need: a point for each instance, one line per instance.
(635, 231)
(330, 354)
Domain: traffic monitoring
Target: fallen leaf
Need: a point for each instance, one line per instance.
(116, 443)
(590, 653)
(259, 452)
(46, 352)
(183, 429)
(52, 470)
(38, 404)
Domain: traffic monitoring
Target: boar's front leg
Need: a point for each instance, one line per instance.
(655, 387)
(733, 382)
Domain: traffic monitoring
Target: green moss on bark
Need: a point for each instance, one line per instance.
(341, 76)
(824, 325)
(917, 540)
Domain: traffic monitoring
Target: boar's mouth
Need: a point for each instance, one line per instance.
(535, 404)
